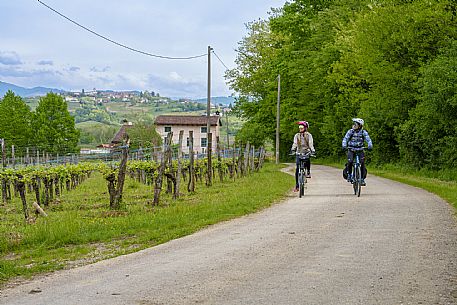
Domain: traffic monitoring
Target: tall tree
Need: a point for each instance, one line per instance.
(15, 122)
(143, 135)
(429, 137)
(382, 52)
(54, 127)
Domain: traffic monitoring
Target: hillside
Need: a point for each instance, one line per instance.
(218, 100)
(26, 92)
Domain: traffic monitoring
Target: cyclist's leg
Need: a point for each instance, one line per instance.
(297, 167)
(363, 167)
(308, 168)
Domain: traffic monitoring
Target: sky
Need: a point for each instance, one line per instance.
(38, 47)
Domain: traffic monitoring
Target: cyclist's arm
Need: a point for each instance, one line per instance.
(368, 139)
(311, 143)
(294, 145)
(346, 138)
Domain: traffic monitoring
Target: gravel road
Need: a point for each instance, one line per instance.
(395, 244)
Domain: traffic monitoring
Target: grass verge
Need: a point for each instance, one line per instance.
(80, 228)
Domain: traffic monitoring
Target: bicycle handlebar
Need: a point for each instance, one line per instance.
(303, 155)
(356, 149)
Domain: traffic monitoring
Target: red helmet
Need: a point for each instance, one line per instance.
(304, 123)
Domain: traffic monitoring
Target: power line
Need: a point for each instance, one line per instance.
(220, 60)
(117, 43)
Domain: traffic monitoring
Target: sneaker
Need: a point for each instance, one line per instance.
(363, 183)
(296, 189)
(308, 175)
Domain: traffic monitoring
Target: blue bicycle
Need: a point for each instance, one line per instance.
(356, 176)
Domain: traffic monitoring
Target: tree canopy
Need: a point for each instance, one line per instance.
(54, 127)
(15, 122)
(391, 62)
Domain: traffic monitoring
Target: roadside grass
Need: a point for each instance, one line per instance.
(81, 229)
(441, 183)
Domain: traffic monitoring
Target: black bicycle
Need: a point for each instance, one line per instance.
(356, 178)
(302, 181)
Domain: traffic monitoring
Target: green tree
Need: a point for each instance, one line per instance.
(338, 60)
(383, 50)
(255, 80)
(15, 122)
(54, 127)
(429, 137)
(143, 135)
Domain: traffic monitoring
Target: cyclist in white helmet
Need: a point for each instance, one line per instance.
(353, 141)
(303, 143)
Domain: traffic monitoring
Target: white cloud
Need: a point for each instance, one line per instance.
(10, 58)
(104, 69)
(45, 63)
(76, 59)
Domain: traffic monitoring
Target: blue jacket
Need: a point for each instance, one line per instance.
(355, 139)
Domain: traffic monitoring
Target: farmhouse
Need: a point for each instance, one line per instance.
(197, 124)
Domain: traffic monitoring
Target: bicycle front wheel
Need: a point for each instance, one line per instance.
(301, 184)
(358, 179)
(354, 180)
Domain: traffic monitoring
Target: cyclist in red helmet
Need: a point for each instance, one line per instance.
(303, 143)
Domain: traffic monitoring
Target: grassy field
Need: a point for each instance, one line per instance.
(80, 228)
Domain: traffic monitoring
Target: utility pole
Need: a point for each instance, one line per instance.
(209, 140)
(277, 119)
(208, 101)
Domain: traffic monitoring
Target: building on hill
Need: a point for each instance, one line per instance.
(198, 124)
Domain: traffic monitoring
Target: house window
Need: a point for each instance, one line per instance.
(167, 128)
(203, 142)
(203, 129)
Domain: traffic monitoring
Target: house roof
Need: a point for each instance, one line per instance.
(187, 120)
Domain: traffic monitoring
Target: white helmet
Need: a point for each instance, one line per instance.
(359, 121)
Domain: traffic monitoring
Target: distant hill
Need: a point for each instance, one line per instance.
(26, 92)
(224, 100)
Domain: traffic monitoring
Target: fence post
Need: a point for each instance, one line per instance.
(191, 184)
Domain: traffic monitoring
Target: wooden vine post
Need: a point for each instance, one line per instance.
(219, 160)
(209, 168)
(160, 171)
(121, 175)
(116, 186)
(21, 188)
(246, 160)
(178, 173)
(4, 192)
(191, 183)
(169, 164)
(240, 162)
(252, 159)
(233, 167)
